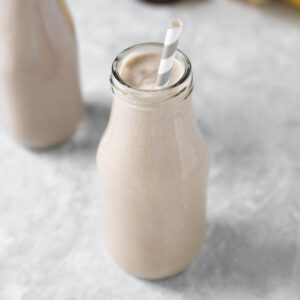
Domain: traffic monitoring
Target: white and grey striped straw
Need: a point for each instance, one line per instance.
(169, 52)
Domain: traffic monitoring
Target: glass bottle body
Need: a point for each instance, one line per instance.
(40, 100)
(152, 162)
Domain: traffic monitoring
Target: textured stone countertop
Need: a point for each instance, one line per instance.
(246, 61)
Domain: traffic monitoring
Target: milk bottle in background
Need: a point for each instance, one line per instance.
(153, 166)
(40, 100)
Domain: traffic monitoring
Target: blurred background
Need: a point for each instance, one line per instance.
(246, 62)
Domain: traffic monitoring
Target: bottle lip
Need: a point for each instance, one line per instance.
(116, 75)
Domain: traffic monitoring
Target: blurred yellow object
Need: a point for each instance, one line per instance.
(294, 2)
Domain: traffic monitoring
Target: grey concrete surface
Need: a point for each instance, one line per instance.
(246, 62)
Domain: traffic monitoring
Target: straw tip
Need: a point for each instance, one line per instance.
(175, 23)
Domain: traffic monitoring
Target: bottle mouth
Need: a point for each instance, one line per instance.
(149, 47)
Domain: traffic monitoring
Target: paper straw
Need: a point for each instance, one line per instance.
(169, 52)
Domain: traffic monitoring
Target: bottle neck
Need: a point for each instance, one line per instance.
(129, 119)
(152, 100)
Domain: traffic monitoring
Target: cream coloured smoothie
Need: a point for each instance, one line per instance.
(152, 163)
(40, 101)
(140, 71)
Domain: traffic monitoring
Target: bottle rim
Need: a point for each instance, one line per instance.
(116, 75)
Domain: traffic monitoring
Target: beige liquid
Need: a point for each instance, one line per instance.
(141, 71)
(153, 168)
(40, 100)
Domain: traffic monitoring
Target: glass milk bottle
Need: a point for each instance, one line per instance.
(40, 102)
(153, 167)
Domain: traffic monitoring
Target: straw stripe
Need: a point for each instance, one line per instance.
(173, 33)
(163, 78)
(169, 52)
(166, 64)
